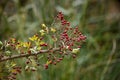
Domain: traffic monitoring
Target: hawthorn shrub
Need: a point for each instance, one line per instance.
(54, 42)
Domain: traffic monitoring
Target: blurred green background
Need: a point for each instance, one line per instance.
(99, 20)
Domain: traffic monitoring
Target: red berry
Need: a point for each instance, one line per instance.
(27, 62)
(60, 58)
(14, 73)
(46, 66)
(61, 53)
(74, 56)
(54, 63)
(29, 52)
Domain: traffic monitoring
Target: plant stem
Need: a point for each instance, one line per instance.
(27, 55)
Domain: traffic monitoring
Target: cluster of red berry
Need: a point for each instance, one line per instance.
(60, 16)
(15, 70)
(70, 36)
(70, 40)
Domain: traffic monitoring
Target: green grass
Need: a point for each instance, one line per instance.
(98, 58)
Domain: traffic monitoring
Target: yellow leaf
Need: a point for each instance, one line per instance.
(13, 40)
(75, 50)
(42, 32)
(43, 26)
(33, 38)
(53, 30)
(27, 44)
(39, 48)
(13, 64)
(48, 62)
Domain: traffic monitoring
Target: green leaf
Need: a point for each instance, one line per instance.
(7, 53)
(1, 43)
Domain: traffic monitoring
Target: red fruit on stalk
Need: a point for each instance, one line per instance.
(46, 66)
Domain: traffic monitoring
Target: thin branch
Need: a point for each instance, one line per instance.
(27, 55)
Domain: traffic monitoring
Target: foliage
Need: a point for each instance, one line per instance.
(52, 43)
(97, 19)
